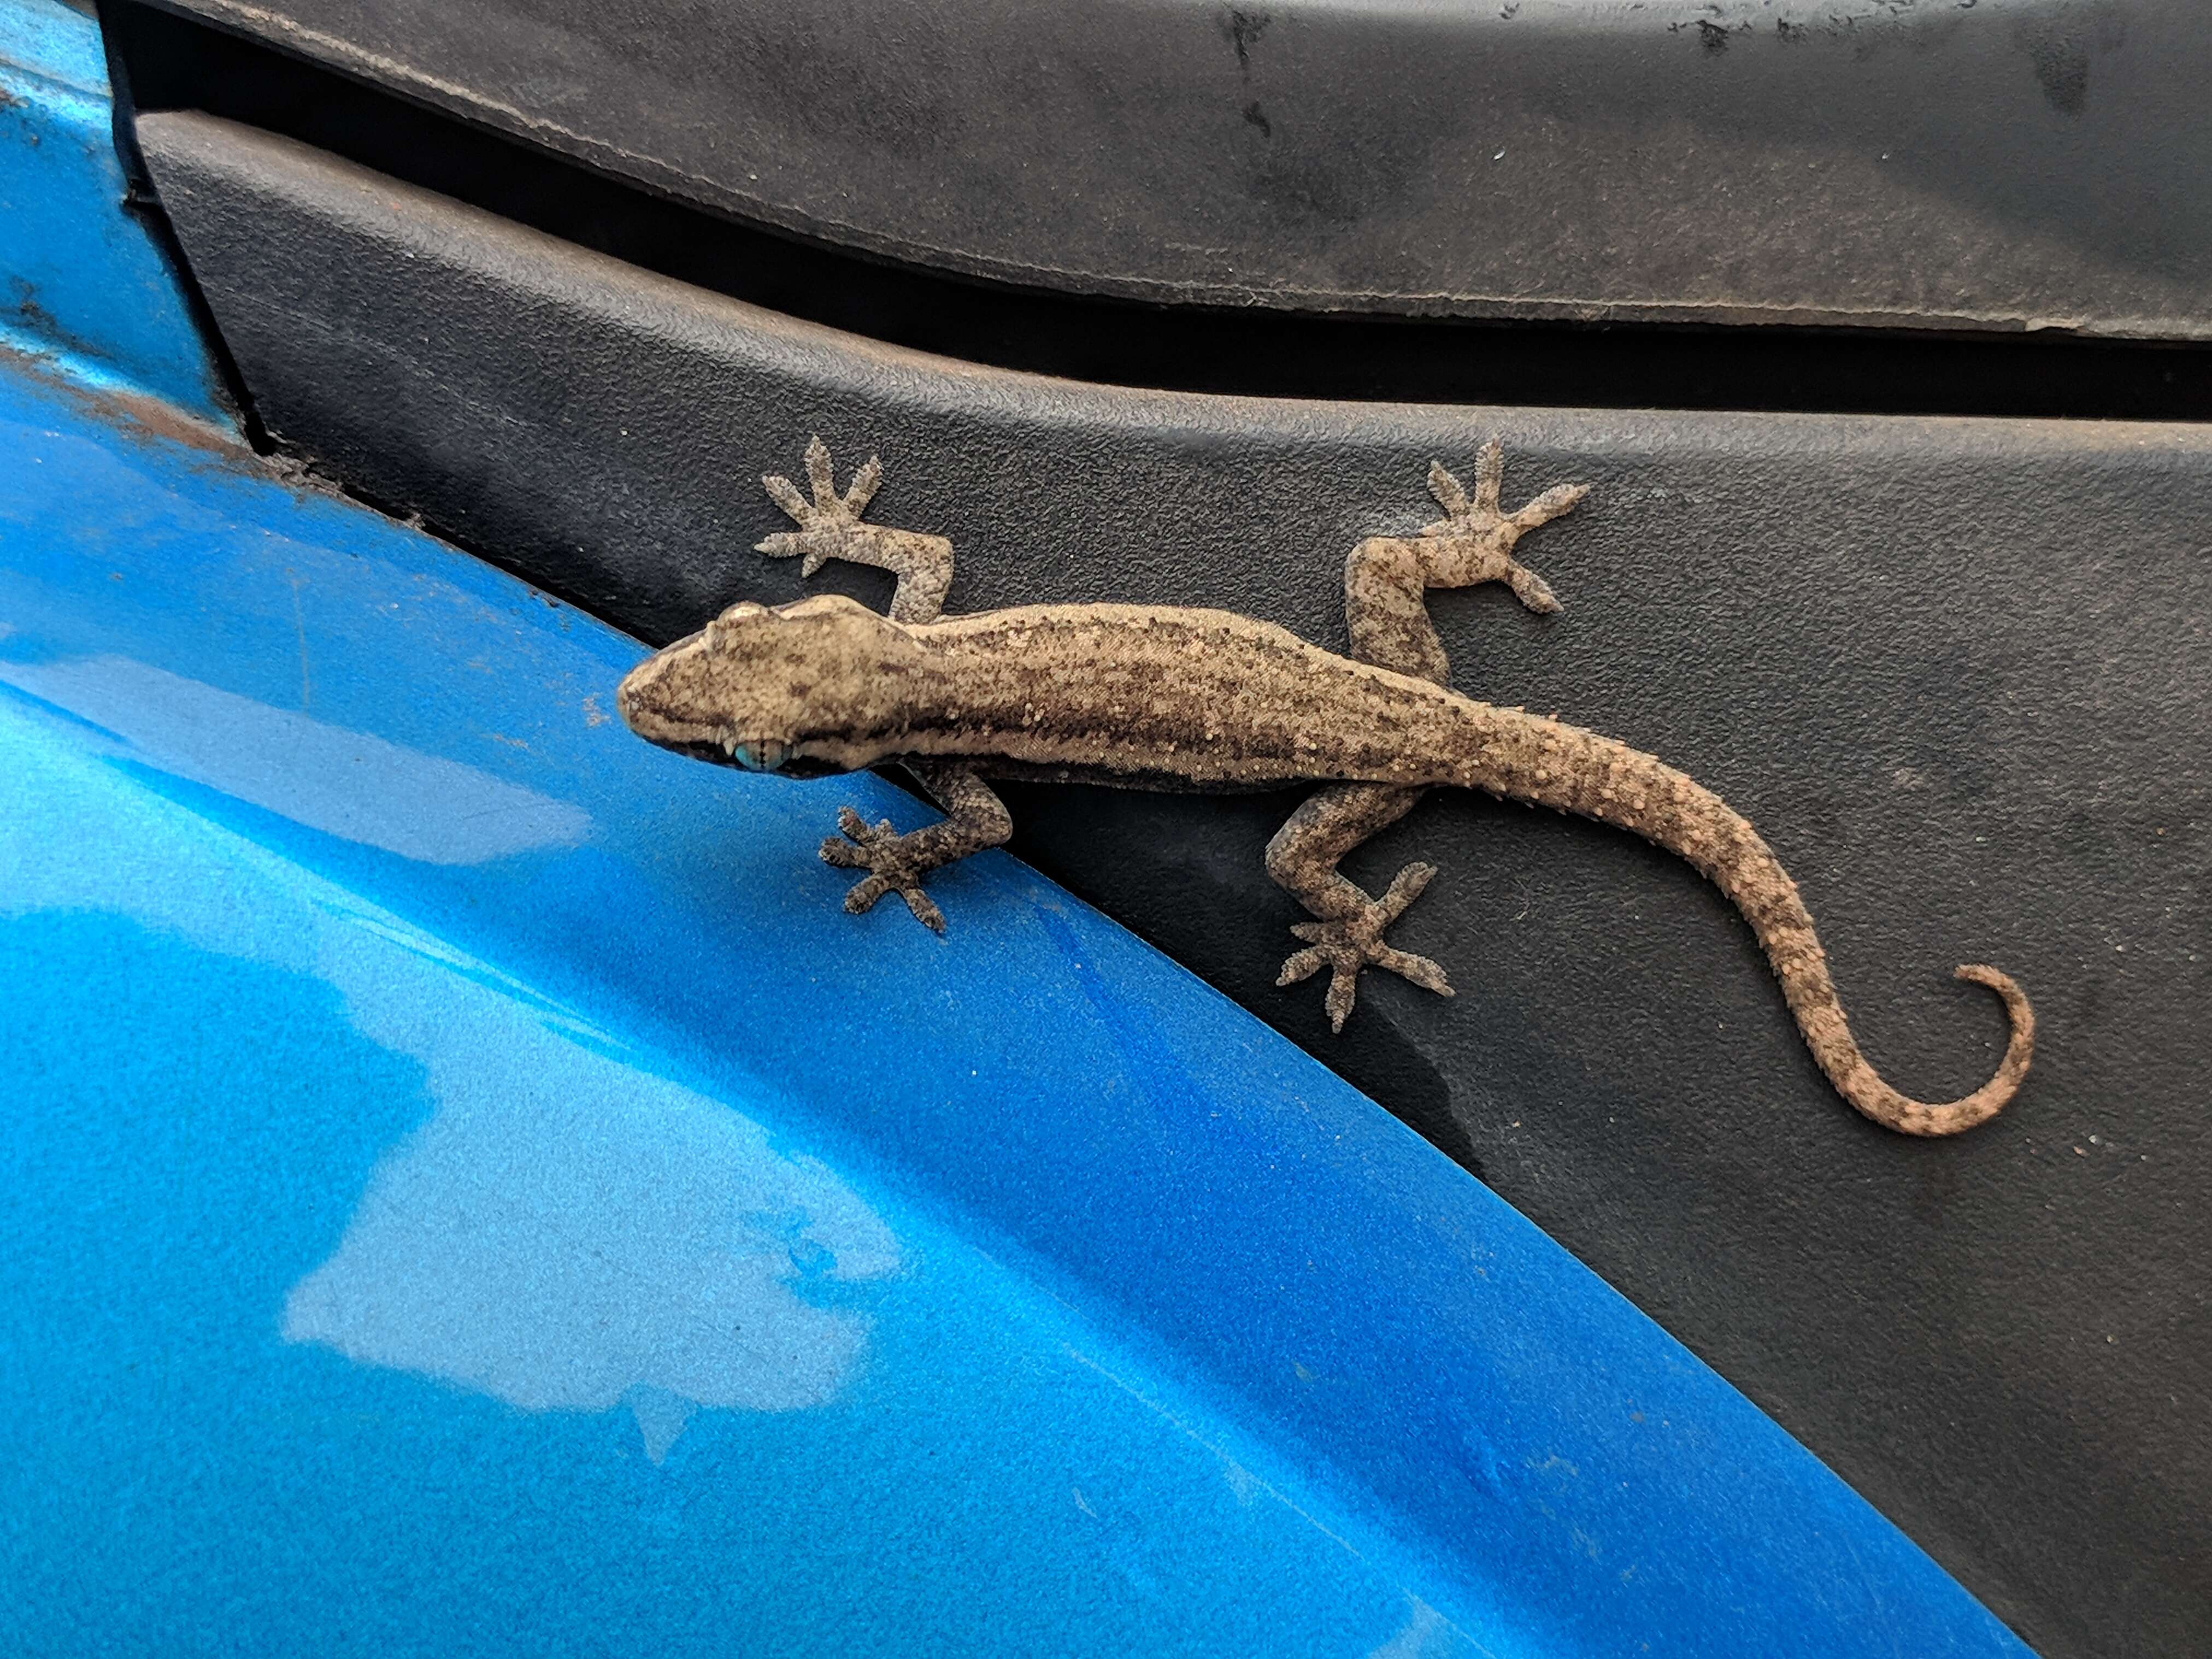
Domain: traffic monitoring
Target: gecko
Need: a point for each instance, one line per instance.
(1185, 699)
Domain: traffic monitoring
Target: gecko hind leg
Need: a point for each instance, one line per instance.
(1347, 934)
(1386, 583)
(1386, 578)
(975, 819)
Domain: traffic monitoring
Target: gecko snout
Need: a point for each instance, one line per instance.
(634, 698)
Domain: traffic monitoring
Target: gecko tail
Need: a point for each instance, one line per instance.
(1667, 808)
(1859, 1084)
(1801, 966)
(1519, 756)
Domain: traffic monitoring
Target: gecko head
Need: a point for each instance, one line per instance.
(803, 689)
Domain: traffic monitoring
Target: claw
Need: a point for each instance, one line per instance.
(862, 489)
(1489, 477)
(924, 908)
(1531, 589)
(1346, 945)
(861, 897)
(785, 494)
(1450, 495)
(1559, 499)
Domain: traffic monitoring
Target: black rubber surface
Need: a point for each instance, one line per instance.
(166, 61)
(2012, 164)
(1959, 671)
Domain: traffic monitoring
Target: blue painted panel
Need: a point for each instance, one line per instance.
(469, 1189)
(80, 279)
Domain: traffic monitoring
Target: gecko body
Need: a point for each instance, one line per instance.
(1173, 698)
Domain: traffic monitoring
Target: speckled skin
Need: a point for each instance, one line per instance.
(1159, 697)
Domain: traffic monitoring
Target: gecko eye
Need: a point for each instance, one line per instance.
(760, 755)
(731, 623)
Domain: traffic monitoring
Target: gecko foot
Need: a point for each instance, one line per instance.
(830, 519)
(891, 865)
(830, 528)
(1480, 524)
(1346, 945)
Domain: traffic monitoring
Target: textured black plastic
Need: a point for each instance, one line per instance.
(168, 61)
(1959, 671)
(2016, 164)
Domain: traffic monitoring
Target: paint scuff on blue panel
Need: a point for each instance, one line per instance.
(81, 279)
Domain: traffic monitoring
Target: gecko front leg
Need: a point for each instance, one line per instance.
(975, 819)
(1386, 583)
(829, 527)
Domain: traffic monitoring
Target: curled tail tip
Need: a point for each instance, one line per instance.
(2020, 1048)
(1985, 1102)
(2017, 1009)
(1877, 1100)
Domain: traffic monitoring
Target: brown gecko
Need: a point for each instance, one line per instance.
(1165, 697)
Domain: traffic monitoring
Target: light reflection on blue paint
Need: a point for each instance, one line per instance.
(570, 1235)
(349, 784)
(566, 1233)
(1427, 1635)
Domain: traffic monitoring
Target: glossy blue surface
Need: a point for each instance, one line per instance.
(80, 279)
(469, 1189)
(465, 1187)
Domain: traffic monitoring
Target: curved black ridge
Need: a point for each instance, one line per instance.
(174, 63)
